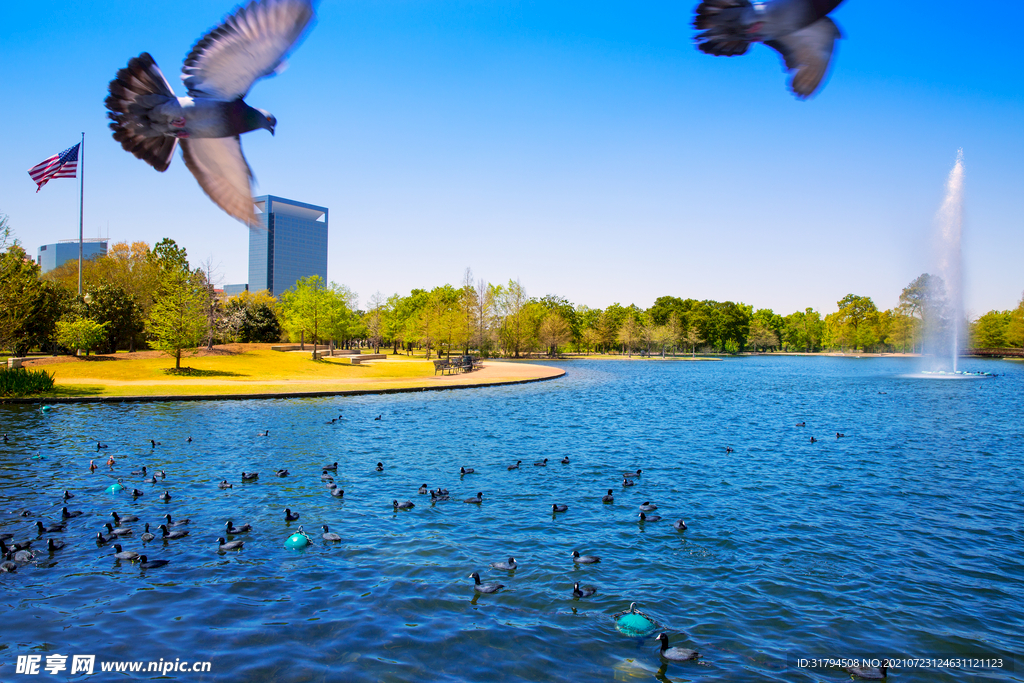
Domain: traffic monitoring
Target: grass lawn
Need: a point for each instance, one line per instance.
(239, 369)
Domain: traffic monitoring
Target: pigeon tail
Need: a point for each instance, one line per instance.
(134, 93)
(723, 32)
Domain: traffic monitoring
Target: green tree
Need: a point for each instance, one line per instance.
(554, 332)
(629, 334)
(252, 318)
(177, 320)
(29, 308)
(308, 308)
(81, 334)
(121, 315)
(1015, 328)
(990, 330)
(803, 330)
(515, 329)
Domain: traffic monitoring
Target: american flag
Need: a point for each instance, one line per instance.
(63, 165)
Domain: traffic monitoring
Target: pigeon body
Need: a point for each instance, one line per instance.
(799, 30)
(149, 120)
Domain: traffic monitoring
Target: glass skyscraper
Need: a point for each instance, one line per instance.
(52, 256)
(290, 243)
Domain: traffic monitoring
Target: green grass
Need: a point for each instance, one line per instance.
(254, 371)
(22, 381)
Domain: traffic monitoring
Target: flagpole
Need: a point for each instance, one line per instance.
(81, 209)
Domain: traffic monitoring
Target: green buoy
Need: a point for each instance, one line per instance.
(296, 541)
(115, 487)
(634, 623)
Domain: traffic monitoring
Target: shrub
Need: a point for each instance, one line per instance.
(19, 381)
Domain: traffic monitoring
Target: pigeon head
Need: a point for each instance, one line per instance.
(254, 119)
(269, 122)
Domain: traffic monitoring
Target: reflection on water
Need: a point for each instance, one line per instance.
(904, 538)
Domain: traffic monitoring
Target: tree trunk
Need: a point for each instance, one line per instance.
(177, 359)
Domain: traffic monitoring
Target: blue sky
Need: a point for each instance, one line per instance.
(586, 148)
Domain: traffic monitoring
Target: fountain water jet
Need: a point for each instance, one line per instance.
(947, 327)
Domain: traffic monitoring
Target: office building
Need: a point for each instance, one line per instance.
(289, 243)
(235, 290)
(52, 256)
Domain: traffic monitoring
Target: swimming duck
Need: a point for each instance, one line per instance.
(139, 473)
(336, 492)
(555, 507)
(53, 545)
(282, 473)
(423, 490)
(153, 444)
(507, 566)
(466, 470)
(652, 518)
(479, 498)
(180, 522)
(225, 485)
(565, 460)
(146, 536)
(675, 654)
(379, 417)
(680, 524)
(628, 482)
(582, 592)
(332, 467)
(584, 559)
(119, 531)
(68, 514)
(801, 424)
(103, 539)
(609, 498)
(632, 475)
(166, 495)
(407, 505)
(289, 517)
(92, 466)
(232, 545)
(146, 563)
(516, 466)
(100, 446)
(170, 535)
(485, 587)
(541, 463)
(52, 529)
(136, 493)
(329, 535)
(124, 554)
(265, 432)
(380, 467)
(230, 528)
(121, 521)
(251, 476)
(869, 673)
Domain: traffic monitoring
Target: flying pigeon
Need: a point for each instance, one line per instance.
(799, 30)
(149, 119)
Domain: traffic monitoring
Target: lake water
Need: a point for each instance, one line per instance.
(903, 539)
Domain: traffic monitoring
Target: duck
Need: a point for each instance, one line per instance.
(839, 435)
(652, 518)
(582, 592)
(647, 506)
(68, 495)
(230, 528)
(7, 567)
(146, 535)
(555, 507)
(541, 463)
(53, 546)
(423, 490)
(407, 505)
(137, 493)
(380, 467)
(378, 418)
(265, 432)
(628, 482)
(153, 443)
(565, 460)
(485, 587)
(23, 556)
(329, 535)
(333, 467)
(225, 485)
(584, 559)
(516, 466)
(608, 498)
(289, 517)
(189, 439)
(466, 470)
(282, 473)
(121, 554)
(251, 476)
(111, 462)
(160, 473)
(801, 424)
(146, 563)
(680, 524)
(507, 566)
(100, 446)
(103, 539)
(166, 495)
(139, 473)
(728, 449)
(231, 545)
(121, 521)
(869, 673)
(170, 535)
(479, 498)
(52, 529)
(632, 475)
(119, 531)
(92, 465)
(326, 476)
(150, 480)
(675, 654)
(438, 495)
(336, 492)
(813, 440)
(180, 522)
(69, 514)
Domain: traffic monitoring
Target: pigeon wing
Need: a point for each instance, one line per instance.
(136, 89)
(722, 33)
(223, 173)
(248, 45)
(808, 53)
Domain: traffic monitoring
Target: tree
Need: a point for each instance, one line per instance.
(693, 337)
(629, 334)
(762, 336)
(374, 320)
(177, 320)
(252, 318)
(81, 334)
(1015, 328)
(309, 308)
(554, 332)
(989, 331)
(514, 329)
(29, 308)
(121, 315)
(854, 322)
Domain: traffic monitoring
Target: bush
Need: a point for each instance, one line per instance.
(19, 381)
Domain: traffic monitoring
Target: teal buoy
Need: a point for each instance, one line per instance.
(296, 541)
(45, 409)
(115, 487)
(634, 623)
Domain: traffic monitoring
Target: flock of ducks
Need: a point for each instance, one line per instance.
(18, 553)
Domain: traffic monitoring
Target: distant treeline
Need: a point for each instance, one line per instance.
(139, 297)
